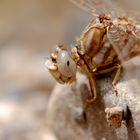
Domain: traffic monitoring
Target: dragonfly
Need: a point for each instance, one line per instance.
(108, 43)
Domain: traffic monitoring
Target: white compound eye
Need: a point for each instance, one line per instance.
(66, 65)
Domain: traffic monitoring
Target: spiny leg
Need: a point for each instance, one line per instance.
(91, 83)
(92, 80)
(76, 57)
(106, 70)
(116, 77)
(92, 88)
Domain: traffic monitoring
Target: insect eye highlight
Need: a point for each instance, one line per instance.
(66, 64)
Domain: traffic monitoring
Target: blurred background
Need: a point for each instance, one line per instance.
(28, 30)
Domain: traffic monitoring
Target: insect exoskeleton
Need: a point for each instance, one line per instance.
(99, 50)
(61, 65)
(94, 46)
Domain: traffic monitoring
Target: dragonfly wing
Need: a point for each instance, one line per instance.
(98, 7)
(125, 44)
(131, 76)
(115, 8)
(136, 32)
(120, 40)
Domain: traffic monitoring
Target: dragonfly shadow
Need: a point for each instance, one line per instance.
(132, 134)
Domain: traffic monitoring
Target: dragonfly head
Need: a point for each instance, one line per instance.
(61, 65)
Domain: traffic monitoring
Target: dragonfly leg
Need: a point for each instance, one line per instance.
(81, 63)
(106, 70)
(92, 88)
(118, 67)
(92, 81)
(92, 85)
(116, 77)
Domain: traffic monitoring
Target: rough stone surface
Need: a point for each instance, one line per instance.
(70, 118)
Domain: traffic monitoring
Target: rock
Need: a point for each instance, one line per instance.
(69, 117)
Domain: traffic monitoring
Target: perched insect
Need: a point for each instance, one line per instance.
(104, 45)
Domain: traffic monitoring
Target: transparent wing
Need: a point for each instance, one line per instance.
(135, 15)
(132, 75)
(122, 42)
(116, 8)
(131, 6)
(136, 32)
(127, 46)
(97, 7)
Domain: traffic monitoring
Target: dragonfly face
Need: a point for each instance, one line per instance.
(61, 65)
